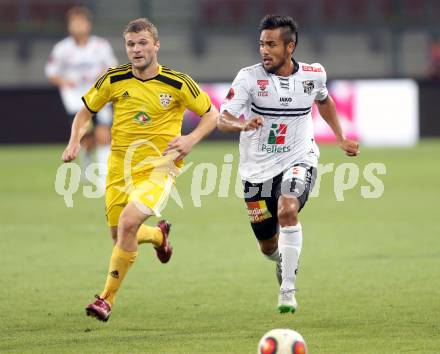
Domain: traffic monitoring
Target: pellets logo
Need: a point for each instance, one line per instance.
(276, 140)
(258, 211)
(277, 134)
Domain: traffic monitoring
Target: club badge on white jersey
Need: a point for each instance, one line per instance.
(285, 103)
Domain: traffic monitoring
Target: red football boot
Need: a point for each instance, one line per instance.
(100, 309)
(164, 251)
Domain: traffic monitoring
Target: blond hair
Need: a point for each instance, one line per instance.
(142, 24)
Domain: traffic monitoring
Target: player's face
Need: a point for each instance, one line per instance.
(79, 26)
(141, 49)
(274, 52)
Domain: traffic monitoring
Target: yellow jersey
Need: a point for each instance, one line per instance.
(149, 110)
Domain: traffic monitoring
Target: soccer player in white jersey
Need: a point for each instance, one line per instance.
(270, 104)
(73, 66)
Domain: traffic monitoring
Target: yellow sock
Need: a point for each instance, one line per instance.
(149, 234)
(120, 263)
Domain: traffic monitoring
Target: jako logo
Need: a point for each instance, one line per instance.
(285, 99)
(277, 134)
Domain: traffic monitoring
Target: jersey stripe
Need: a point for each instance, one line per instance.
(116, 78)
(271, 109)
(111, 71)
(193, 89)
(189, 82)
(167, 80)
(117, 68)
(280, 114)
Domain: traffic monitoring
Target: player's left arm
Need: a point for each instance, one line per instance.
(183, 144)
(198, 101)
(327, 109)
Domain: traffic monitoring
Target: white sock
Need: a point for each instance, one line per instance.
(102, 154)
(289, 245)
(275, 256)
(85, 158)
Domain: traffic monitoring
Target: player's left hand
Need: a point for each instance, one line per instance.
(350, 147)
(181, 144)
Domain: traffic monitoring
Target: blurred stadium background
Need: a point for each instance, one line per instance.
(370, 269)
(213, 39)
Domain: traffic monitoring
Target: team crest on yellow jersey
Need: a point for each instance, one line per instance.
(142, 118)
(165, 99)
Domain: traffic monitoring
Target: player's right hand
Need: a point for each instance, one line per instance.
(253, 123)
(71, 152)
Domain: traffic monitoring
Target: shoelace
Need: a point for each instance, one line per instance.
(287, 293)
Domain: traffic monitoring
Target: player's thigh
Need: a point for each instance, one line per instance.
(116, 195)
(116, 198)
(296, 185)
(151, 194)
(261, 204)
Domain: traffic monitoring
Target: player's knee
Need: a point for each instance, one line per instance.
(127, 227)
(288, 214)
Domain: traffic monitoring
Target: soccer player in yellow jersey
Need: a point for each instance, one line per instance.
(147, 149)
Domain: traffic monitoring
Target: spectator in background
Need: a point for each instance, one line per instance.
(73, 66)
(434, 58)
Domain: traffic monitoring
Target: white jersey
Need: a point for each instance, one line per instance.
(285, 103)
(80, 64)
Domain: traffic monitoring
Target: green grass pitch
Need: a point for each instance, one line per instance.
(369, 278)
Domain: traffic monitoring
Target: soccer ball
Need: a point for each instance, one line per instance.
(282, 341)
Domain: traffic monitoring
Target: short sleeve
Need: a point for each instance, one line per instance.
(238, 95)
(194, 98)
(321, 89)
(98, 95)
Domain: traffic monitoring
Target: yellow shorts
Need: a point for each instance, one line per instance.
(148, 188)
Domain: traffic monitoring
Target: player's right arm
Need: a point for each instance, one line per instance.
(228, 123)
(79, 128)
(237, 98)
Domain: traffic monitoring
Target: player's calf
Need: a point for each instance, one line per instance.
(165, 250)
